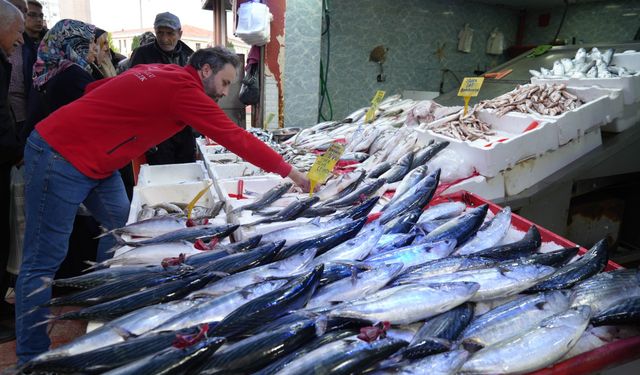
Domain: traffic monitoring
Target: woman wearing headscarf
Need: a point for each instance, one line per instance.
(106, 60)
(62, 69)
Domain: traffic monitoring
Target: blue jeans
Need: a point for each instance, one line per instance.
(53, 191)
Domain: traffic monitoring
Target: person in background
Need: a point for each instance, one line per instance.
(104, 65)
(87, 142)
(11, 29)
(145, 38)
(168, 49)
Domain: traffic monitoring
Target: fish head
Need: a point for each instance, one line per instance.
(442, 248)
(392, 269)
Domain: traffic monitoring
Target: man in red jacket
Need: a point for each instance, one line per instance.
(73, 157)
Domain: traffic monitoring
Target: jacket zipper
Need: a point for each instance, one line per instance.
(121, 144)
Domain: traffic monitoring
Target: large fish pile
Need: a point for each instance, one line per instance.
(465, 127)
(594, 64)
(539, 99)
(447, 289)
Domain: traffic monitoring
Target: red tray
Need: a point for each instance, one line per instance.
(613, 354)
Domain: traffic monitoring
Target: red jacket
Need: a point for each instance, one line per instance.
(119, 118)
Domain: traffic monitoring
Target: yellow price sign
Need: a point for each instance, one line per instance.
(375, 102)
(470, 87)
(324, 164)
(195, 199)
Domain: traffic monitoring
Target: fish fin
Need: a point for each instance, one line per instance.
(47, 282)
(321, 325)
(315, 221)
(124, 333)
(540, 305)
(49, 318)
(471, 346)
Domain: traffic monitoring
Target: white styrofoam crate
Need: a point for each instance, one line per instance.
(507, 147)
(630, 116)
(253, 187)
(243, 169)
(489, 188)
(526, 174)
(180, 193)
(171, 173)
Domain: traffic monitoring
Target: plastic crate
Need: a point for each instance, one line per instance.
(172, 173)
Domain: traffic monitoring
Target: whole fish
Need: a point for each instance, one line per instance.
(313, 212)
(341, 186)
(489, 234)
(257, 351)
(606, 289)
(266, 199)
(241, 261)
(413, 255)
(191, 233)
(364, 191)
(269, 306)
(592, 262)
(150, 228)
(325, 241)
(103, 276)
(398, 170)
(409, 180)
(287, 267)
(313, 345)
(354, 249)
(407, 304)
(512, 318)
(445, 210)
(427, 153)
(498, 282)
(359, 211)
(448, 363)
(436, 267)
(390, 242)
(626, 312)
(334, 271)
(379, 170)
(302, 232)
(290, 212)
(556, 258)
(173, 360)
(344, 356)
(218, 308)
(460, 228)
(533, 349)
(416, 197)
(438, 333)
(150, 254)
(522, 248)
(360, 285)
(404, 223)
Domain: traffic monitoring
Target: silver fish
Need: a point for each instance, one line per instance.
(489, 234)
(606, 289)
(440, 364)
(445, 210)
(414, 255)
(356, 248)
(409, 180)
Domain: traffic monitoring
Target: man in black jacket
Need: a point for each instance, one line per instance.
(168, 49)
(11, 29)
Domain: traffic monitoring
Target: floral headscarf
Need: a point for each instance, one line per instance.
(65, 44)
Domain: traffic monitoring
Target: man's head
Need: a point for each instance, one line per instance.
(11, 27)
(218, 69)
(168, 31)
(21, 5)
(34, 21)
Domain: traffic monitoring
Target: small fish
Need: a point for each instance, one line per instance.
(267, 198)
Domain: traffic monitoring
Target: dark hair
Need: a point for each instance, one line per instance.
(35, 3)
(217, 57)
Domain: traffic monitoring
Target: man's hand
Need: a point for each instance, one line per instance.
(300, 179)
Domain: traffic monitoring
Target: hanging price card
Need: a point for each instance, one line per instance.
(324, 164)
(470, 87)
(375, 102)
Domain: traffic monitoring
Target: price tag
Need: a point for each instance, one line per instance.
(324, 164)
(375, 102)
(470, 87)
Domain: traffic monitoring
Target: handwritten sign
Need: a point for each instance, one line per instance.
(323, 166)
(470, 87)
(375, 102)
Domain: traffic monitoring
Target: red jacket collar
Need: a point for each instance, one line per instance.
(195, 75)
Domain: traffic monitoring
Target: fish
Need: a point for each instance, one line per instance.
(270, 306)
(341, 186)
(379, 170)
(359, 211)
(556, 258)
(150, 227)
(606, 289)
(512, 318)
(413, 255)
(102, 276)
(447, 210)
(362, 284)
(404, 223)
(626, 312)
(334, 271)
(490, 234)
(284, 268)
(314, 344)
(290, 212)
(343, 356)
(173, 360)
(241, 261)
(409, 180)
(427, 153)
(326, 240)
(390, 242)
(354, 249)
(439, 332)
(407, 304)
(255, 352)
(498, 282)
(190, 233)
(306, 231)
(218, 308)
(592, 262)
(266, 199)
(416, 197)
(522, 248)
(364, 191)
(436, 267)
(535, 348)
(448, 363)
(150, 254)
(398, 170)
(313, 212)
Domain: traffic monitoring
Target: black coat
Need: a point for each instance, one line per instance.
(29, 55)
(152, 54)
(10, 145)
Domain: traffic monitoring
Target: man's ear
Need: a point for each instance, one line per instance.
(206, 70)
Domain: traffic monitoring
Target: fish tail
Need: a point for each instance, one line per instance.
(105, 232)
(50, 318)
(47, 282)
